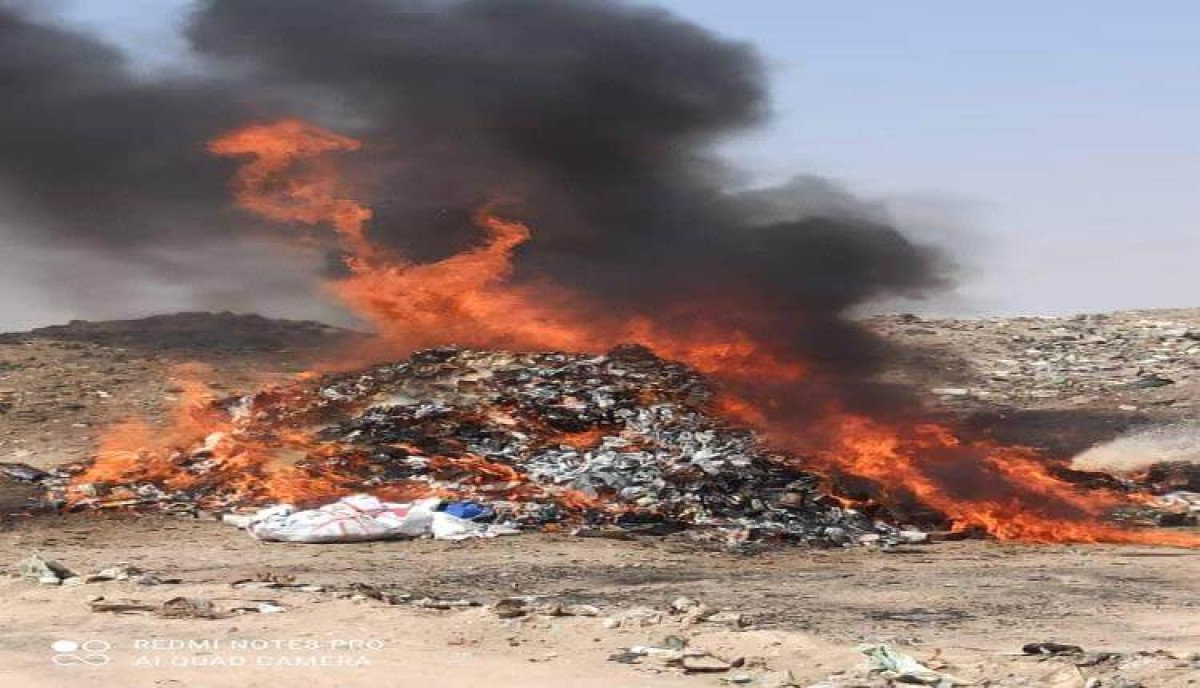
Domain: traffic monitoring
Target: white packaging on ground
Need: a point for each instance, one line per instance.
(359, 518)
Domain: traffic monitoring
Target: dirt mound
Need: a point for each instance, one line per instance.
(225, 331)
(59, 384)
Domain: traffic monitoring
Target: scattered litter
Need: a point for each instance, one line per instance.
(187, 608)
(894, 665)
(691, 611)
(22, 472)
(1051, 649)
(128, 572)
(674, 652)
(1150, 381)
(360, 518)
(637, 617)
(99, 603)
(277, 585)
(364, 591)
(45, 571)
(704, 664)
(734, 620)
(683, 605)
(625, 657)
(444, 605)
(530, 605)
(184, 607)
(352, 519)
(446, 526)
(685, 610)
(511, 607)
(259, 607)
(471, 511)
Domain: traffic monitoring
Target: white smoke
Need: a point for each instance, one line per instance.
(1179, 442)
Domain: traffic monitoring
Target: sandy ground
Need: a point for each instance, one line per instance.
(971, 604)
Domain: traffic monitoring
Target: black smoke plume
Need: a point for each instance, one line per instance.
(593, 121)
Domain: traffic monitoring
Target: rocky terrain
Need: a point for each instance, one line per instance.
(1060, 384)
(58, 384)
(1128, 362)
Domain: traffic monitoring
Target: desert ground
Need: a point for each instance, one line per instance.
(440, 613)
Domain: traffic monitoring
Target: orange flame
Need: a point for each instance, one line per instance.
(1008, 491)
(276, 186)
(124, 450)
(199, 435)
(471, 299)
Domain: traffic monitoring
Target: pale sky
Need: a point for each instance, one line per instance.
(1067, 131)
(1054, 145)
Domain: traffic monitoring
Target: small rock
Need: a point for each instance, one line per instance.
(511, 607)
(1149, 382)
(704, 664)
(443, 605)
(45, 571)
(682, 605)
(675, 642)
(1051, 648)
(188, 608)
(697, 614)
(730, 619)
(637, 617)
(776, 679)
(119, 572)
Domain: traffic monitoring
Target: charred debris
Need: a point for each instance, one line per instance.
(603, 445)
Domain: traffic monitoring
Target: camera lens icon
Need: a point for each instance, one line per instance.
(90, 652)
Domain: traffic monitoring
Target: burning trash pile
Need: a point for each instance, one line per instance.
(541, 440)
(541, 214)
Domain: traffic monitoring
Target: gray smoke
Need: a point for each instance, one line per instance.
(1140, 449)
(594, 121)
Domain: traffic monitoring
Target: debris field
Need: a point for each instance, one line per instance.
(606, 445)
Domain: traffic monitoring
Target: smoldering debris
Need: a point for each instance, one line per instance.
(541, 440)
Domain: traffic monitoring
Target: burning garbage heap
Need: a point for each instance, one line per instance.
(600, 216)
(541, 439)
